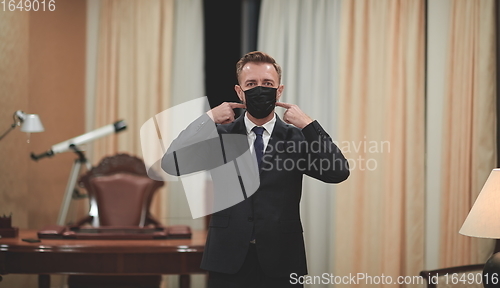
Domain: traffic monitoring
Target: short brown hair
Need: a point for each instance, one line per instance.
(257, 57)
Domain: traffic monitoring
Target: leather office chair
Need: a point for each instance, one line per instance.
(121, 192)
(469, 276)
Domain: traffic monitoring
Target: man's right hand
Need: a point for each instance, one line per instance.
(224, 113)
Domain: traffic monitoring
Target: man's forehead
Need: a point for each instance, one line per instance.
(259, 70)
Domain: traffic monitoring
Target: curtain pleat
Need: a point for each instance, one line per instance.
(302, 37)
(133, 73)
(380, 209)
(469, 126)
(150, 58)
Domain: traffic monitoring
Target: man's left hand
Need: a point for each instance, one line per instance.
(293, 115)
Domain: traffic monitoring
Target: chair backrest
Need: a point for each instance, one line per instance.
(122, 191)
(459, 276)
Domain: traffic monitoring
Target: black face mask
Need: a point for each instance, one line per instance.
(260, 101)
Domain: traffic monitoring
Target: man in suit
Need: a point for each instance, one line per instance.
(258, 242)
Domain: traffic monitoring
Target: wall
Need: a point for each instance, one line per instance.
(42, 71)
(14, 51)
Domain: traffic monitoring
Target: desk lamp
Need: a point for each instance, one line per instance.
(29, 123)
(483, 221)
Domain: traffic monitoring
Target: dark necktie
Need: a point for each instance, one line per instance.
(258, 144)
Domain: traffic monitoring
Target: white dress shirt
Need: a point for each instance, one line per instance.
(268, 130)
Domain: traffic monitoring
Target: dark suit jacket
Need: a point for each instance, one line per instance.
(273, 210)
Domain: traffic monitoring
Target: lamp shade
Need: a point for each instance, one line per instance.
(32, 123)
(484, 218)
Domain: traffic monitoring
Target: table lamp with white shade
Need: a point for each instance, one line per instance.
(30, 123)
(483, 221)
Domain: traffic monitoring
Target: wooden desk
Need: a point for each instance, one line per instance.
(101, 257)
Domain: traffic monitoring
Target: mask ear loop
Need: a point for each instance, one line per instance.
(241, 91)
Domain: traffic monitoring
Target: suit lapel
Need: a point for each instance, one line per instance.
(238, 126)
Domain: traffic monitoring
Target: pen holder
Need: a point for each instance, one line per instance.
(6, 229)
(5, 222)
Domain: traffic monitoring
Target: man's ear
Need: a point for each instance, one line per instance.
(240, 93)
(279, 92)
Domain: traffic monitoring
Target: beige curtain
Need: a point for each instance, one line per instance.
(150, 58)
(134, 68)
(469, 148)
(133, 71)
(303, 38)
(379, 212)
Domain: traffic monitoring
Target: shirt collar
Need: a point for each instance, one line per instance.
(269, 125)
